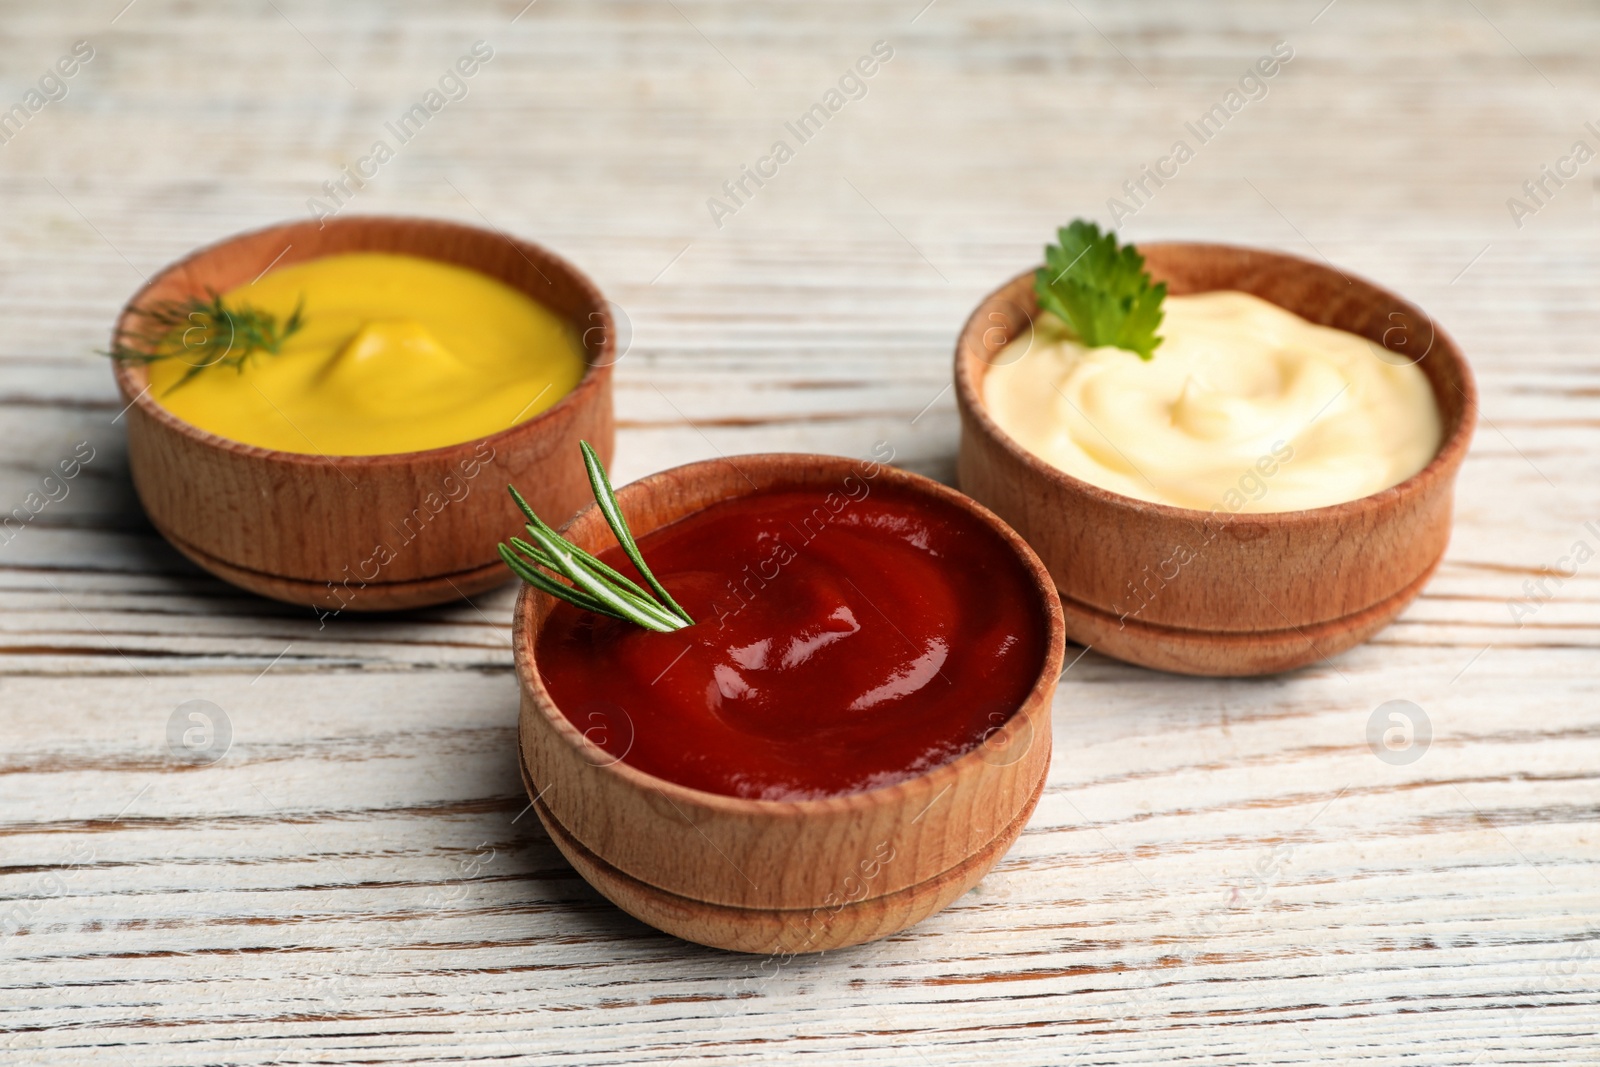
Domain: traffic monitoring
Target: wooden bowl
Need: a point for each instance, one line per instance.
(367, 533)
(779, 876)
(1214, 593)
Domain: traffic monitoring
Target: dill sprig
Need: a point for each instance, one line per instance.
(595, 586)
(202, 333)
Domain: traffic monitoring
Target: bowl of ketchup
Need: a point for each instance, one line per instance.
(853, 732)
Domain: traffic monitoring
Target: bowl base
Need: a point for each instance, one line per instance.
(1217, 653)
(781, 932)
(326, 596)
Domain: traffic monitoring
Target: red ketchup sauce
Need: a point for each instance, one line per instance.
(843, 641)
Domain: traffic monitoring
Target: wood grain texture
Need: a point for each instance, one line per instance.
(773, 874)
(366, 533)
(1220, 592)
(1220, 871)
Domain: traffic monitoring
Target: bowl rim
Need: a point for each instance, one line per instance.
(594, 375)
(1448, 457)
(1036, 704)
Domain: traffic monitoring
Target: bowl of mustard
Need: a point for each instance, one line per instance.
(328, 413)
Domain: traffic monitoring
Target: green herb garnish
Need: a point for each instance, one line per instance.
(595, 586)
(202, 333)
(1100, 290)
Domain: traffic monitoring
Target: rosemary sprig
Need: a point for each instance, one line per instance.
(203, 333)
(595, 586)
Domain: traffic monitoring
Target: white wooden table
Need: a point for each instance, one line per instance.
(1219, 871)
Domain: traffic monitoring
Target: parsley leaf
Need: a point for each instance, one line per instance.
(1100, 290)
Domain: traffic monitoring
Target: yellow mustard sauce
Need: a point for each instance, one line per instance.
(396, 354)
(1245, 407)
